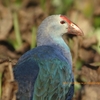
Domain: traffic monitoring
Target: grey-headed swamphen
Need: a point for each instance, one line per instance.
(45, 72)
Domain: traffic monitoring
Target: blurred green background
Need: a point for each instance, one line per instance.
(19, 20)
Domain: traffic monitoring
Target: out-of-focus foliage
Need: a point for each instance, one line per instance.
(96, 21)
(85, 6)
(62, 6)
(18, 25)
(17, 32)
(97, 46)
(34, 30)
(0, 84)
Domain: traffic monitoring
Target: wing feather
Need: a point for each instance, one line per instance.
(43, 74)
(54, 80)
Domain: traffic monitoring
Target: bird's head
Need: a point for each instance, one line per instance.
(57, 25)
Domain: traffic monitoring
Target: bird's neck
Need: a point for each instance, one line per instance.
(58, 42)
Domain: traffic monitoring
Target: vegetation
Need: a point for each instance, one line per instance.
(19, 20)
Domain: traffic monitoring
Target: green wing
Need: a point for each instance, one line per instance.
(53, 81)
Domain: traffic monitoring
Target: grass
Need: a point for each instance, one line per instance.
(33, 43)
(17, 32)
(0, 84)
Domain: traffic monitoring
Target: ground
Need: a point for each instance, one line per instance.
(19, 20)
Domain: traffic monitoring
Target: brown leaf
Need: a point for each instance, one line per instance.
(86, 55)
(88, 42)
(9, 86)
(95, 64)
(91, 92)
(5, 22)
(90, 74)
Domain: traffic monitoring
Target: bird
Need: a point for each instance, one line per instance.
(45, 72)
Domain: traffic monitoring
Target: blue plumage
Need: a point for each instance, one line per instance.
(45, 73)
(43, 68)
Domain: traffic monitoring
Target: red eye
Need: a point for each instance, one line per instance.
(62, 22)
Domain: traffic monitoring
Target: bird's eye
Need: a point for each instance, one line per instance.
(62, 22)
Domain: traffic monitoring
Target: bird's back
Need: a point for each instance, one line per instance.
(44, 73)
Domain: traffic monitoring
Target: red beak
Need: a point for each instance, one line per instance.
(74, 29)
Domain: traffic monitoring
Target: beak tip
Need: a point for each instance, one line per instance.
(74, 29)
(81, 33)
